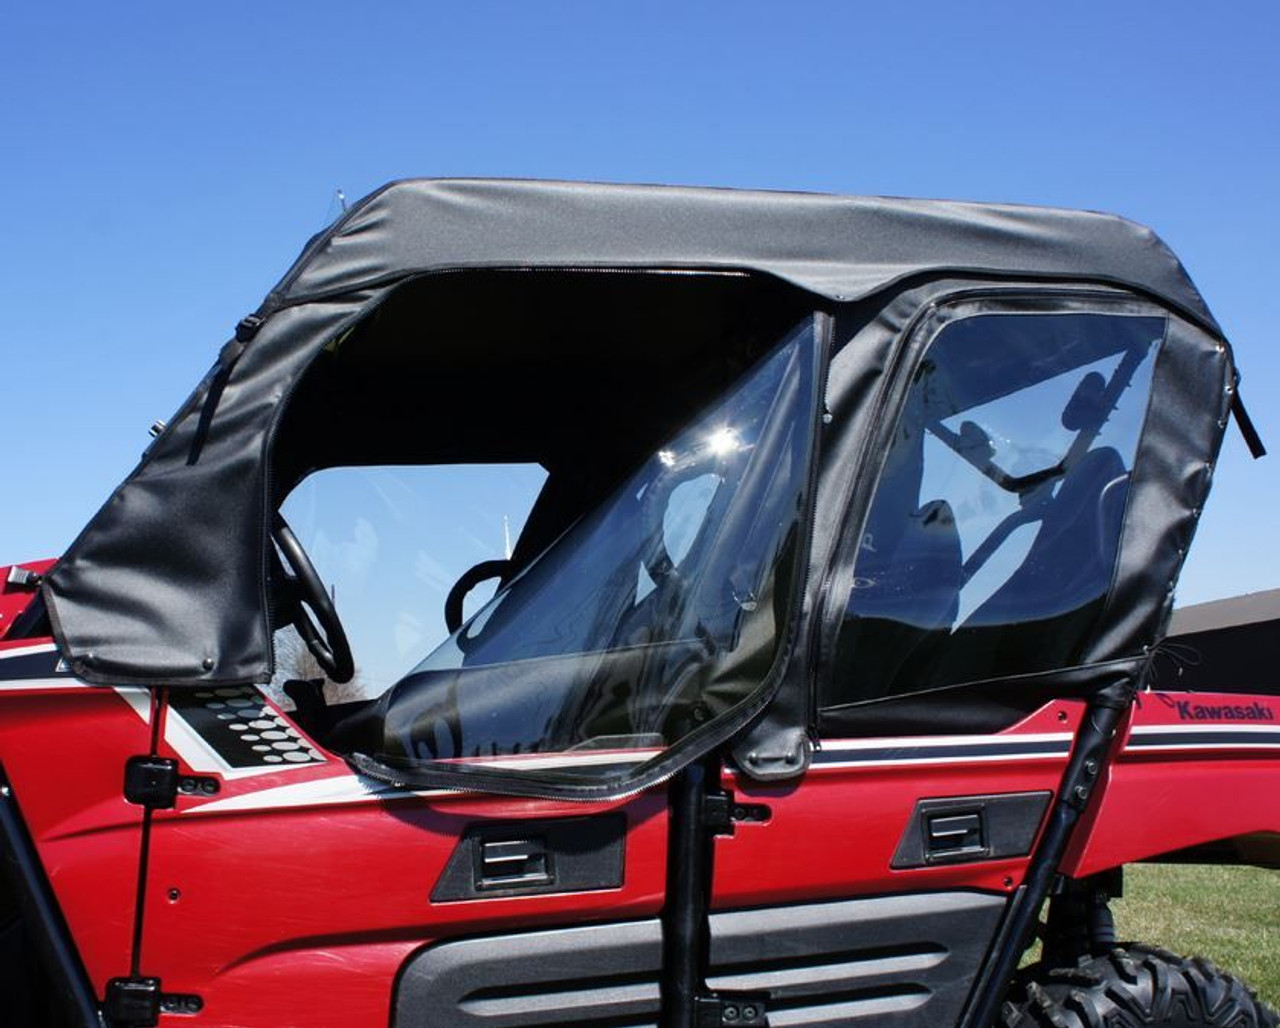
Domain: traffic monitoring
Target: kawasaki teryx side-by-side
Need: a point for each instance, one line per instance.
(822, 680)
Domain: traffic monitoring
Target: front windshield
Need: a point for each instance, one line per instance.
(650, 618)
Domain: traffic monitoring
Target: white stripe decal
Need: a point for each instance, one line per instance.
(137, 698)
(915, 751)
(45, 684)
(1218, 738)
(924, 741)
(354, 789)
(343, 789)
(1197, 729)
(26, 651)
(916, 761)
(1153, 747)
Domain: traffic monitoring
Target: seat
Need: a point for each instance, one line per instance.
(906, 592)
(1040, 616)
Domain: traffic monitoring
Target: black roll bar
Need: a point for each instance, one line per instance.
(42, 917)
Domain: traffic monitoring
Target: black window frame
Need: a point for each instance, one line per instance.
(908, 351)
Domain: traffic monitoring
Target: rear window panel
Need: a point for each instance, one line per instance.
(993, 535)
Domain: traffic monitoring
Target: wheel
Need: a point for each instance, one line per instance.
(1135, 986)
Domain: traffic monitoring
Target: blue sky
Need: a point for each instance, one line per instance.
(163, 163)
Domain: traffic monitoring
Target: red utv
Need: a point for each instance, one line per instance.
(822, 676)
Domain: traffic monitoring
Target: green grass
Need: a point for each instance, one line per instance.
(1229, 914)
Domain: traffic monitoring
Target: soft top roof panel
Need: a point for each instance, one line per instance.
(843, 248)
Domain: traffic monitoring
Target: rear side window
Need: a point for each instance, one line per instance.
(993, 533)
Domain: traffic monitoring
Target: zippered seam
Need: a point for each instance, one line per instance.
(393, 278)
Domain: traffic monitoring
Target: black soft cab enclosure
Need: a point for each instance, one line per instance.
(816, 661)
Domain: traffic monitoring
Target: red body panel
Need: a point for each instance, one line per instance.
(294, 895)
(835, 833)
(273, 881)
(1183, 777)
(64, 750)
(329, 889)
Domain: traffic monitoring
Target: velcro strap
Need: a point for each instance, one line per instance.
(1245, 424)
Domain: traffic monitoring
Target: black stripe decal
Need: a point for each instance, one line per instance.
(30, 665)
(1202, 738)
(893, 754)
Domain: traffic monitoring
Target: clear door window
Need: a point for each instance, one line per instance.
(655, 613)
(390, 543)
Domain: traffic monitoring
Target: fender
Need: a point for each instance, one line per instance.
(20, 593)
(1191, 770)
(63, 747)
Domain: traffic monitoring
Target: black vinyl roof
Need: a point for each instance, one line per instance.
(843, 248)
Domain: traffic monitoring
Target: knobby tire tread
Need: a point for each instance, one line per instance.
(1135, 986)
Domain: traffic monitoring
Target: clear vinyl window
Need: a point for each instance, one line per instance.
(994, 531)
(654, 614)
(389, 543)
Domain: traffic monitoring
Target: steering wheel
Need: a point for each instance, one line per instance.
(303, 588)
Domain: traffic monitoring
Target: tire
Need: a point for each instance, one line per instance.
(1135, 987)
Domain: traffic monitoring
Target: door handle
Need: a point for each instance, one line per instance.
(955, 834)
(496, 859)
(503, 863)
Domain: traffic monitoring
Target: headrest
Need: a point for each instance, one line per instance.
(1087, 406)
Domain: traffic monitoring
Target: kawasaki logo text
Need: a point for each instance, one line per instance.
(1225, 712)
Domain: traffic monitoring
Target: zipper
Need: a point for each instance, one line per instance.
(394, 278)
(818, 435)
(522, 788)
(818, 629)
